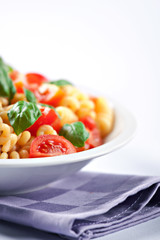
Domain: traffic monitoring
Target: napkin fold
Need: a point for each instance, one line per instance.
(86, 205)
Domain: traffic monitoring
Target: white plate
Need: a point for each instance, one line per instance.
(21, 175)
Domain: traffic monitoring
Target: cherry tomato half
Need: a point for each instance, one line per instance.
(94, 139)
(49, 94)
(86, 147)
(34, 80)
(19, 86)
(50, 145)
(18, 80)
(49, 116)
(14, 75)
(88, 122)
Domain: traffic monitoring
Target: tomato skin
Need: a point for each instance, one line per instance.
(34, 80)
(50, 145)
(14, 75)
(19, 86)
(17, 81)
(49, 116)
(52, 95)
(94, 139)
(86, 147)
(88, 122)
(93, 98)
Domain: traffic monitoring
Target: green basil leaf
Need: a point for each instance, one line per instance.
(30, 96)
(61, 82)
(46, 105)
(22, 115)
(7, 67)
(75, 132)
(12, 89)
(7, 88)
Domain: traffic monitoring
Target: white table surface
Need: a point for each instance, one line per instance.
(112, 46)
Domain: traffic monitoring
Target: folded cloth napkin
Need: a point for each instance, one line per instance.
(86, 205)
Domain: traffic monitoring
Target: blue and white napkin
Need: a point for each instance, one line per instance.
(86, 205)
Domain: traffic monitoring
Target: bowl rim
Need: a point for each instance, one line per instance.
(123, 138)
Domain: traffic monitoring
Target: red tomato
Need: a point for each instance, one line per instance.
(34, 80)
(94, 139)
(80, 149)
(49, 94)
(50, 145)
(88, 122)
(14, 75)
(49, 116)
(93, 98)
(19, 86)
(17, 81)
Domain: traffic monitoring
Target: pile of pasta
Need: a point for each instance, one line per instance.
(73, 106)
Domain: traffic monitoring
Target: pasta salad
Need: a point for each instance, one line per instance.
(43, 118)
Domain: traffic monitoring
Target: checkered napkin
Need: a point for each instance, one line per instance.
(86, 205)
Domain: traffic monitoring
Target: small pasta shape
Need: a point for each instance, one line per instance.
(4, 101)
(24, 138)
(5, 129)
(4, 132)
(68, 90)
(30, 141)
(18, 97)
(26, 147)
(83, 112)
(72, 91)
(88, 104)
(105, 123)
(3, 155)
(101, 105)
(15, 148)
(45, 129)
(67, 115)
(4, 116)
(79, 95)
(11, 129)
(7, 146)
(70, 102)
(23, 153)
(14, 155)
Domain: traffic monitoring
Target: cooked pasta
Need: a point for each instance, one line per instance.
(70, 102)
(23, 153)
(24, 137)
(46, 129)
(101, 105)
(67, 115)
(14, 155)
(18, 97)
(105, 123)
(3, 155)
(46, 111)
(87, 104)
(9, 144)
(4, 101)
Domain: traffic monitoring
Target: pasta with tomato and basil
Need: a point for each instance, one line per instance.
(42, 118)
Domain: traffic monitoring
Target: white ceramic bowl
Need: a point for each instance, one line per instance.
(21, 175)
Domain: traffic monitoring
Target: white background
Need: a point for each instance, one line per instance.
(112, 46)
